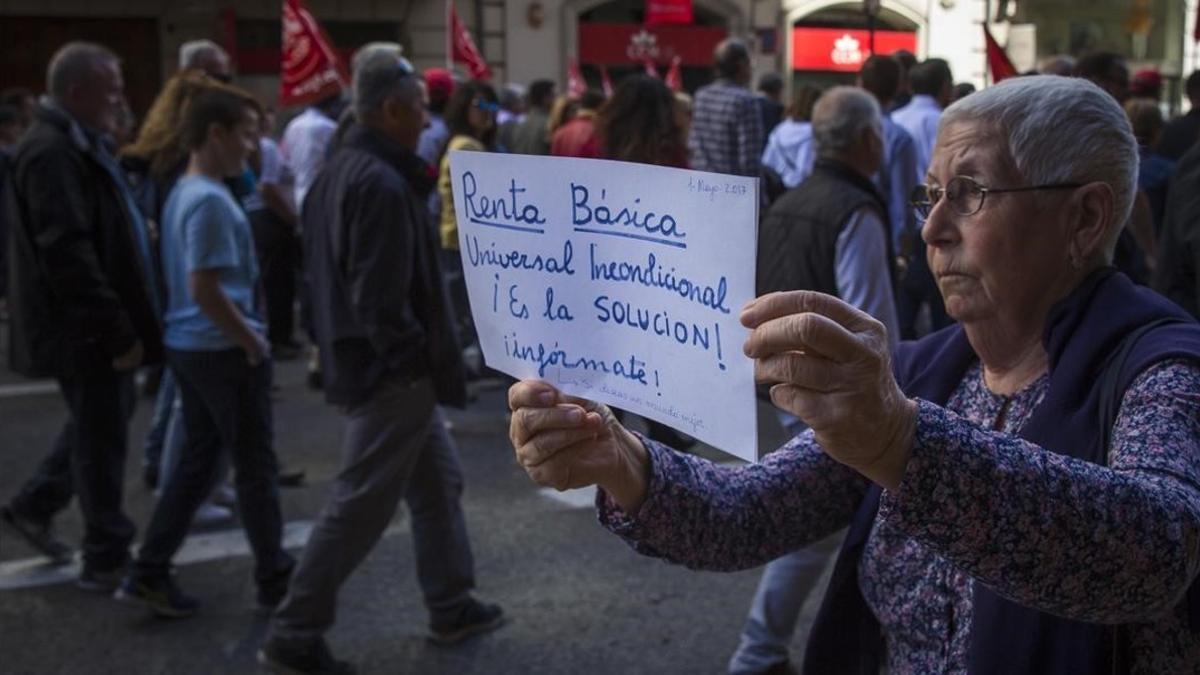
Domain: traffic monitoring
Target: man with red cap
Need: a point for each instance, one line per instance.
(1146, 84)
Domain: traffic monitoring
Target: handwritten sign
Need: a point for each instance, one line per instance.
(617, 282)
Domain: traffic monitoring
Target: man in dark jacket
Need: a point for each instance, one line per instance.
(1177, 275)
(389, 355)
(83, 304)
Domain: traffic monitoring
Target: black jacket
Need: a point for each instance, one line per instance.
(797, 241)
(78, 295)
(379, 305)
(1178, 273)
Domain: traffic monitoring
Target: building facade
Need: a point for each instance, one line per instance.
(819, 41)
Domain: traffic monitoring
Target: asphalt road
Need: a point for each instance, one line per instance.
(578, 599)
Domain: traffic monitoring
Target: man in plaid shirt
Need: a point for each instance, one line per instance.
(727, 133)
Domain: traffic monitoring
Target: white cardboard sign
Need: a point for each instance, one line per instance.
(617, 282)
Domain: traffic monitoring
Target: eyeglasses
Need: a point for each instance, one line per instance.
(966, 195)
(487, 106)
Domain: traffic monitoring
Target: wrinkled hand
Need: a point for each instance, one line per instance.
(831, 367)
(566, 442)
(130, 359)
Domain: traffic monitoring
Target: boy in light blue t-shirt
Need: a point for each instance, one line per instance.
(221, 361)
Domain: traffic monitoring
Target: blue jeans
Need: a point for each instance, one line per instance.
(226, 404)
(785, 585)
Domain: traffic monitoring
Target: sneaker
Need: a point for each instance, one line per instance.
(290, 477)
(301, 657)
(474, 618)
(93, 580)
(211, 515)
(224, 495)
(40, 535)
(160, 596)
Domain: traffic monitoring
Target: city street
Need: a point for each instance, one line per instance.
(577, 599)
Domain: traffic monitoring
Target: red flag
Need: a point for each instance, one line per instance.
(576, 85)
(605, 83)
(668, 11)
(462, 47)
(651, 70)
(1196, 29)
(311, 69)
(997, 58)
(675, 78)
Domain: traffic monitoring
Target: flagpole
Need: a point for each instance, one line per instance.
(987, 15)
(449, 38)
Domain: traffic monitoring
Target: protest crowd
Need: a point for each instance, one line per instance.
(976, 315)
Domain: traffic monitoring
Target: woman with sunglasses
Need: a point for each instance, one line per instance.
(471, 120)
(1022, 489)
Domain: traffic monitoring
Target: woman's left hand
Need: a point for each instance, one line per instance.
(830, 366)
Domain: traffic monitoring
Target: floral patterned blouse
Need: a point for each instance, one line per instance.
(1100, 544)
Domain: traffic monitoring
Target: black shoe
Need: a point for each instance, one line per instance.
(286, 351)
(301, 657)
(289, 477)
(160, 596)
(150, 476)
(272, 592)
(40, 535)
(474, 618)
(95, 580)
(784, 668)
(314, 380)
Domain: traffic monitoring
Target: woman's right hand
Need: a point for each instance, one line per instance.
(566, 442)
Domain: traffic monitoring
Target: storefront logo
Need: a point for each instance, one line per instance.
(846, 51)
(643, 46)
(843, 49)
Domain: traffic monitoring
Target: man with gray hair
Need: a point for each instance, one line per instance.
(83, 305)
(389, 357)
(207, 56)
(727, 135)
(829, 234)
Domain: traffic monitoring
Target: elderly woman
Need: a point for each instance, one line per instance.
(1022, 489)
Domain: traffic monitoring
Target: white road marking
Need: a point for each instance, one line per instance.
(197, 548)
(38, 388)
(581, 498)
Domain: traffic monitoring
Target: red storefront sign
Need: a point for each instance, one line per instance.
(628, 43)
(843, 49)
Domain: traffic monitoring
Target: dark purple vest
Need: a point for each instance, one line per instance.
(1082, 334)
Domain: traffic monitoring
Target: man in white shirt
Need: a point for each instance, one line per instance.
(900, 171)
(933, 88)
(306, 143)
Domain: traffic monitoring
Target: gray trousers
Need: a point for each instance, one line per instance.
(395, 446)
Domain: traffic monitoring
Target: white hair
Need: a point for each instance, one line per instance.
(192, 51)
(73, 65)
(380, 74)
(1059, 130)
(840, 116)
(371, 50)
